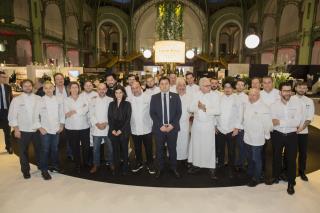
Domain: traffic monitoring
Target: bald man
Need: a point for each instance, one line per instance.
(257, 125)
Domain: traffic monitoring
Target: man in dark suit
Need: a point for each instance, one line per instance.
(165, 111)
(5, 99)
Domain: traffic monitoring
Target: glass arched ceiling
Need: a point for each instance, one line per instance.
(210, 6)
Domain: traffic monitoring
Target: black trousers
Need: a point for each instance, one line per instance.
(120, 151)
(289, 142)
(171, 140)
(222, 140)
(24, 142)
(75, 137)
(302, 150)
(146, 140)
(4, 125)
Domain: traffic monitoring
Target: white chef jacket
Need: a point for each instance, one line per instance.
(141, 123)
(192, 90)
(21, 112)
(173, 88)
(153, 91)
(128, 91)
(257, 123)
(308, 110)
(242, 99)
(230, 114)
(89, 95)
(62, 94)
(49, 114)
(289, 115)
(79, 120)
(98, 111)
(270, 97)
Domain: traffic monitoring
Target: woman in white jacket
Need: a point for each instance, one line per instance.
(77, 125)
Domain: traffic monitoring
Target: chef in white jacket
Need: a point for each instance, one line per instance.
(301, 89)
(77, 126)
(202, 153)
(88, 93)
(20, 118)
(98, 111)
(269, 94)
(151, 87)
(228, 125)
(257, 124)
(192, 88)
(287, 117)
(131, 78)
(184, 133)
(49, 120)
(141, 127)
(173, 79)
(242, 99)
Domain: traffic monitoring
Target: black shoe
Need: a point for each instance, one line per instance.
(137, 167)
(54, 169)
(303, 176)
(159, 174)
(176, 174)
(151, 169)
(275, 181)
(26, 175)
(290, 189)
(213, 174)
(252, 183)
(77, 169)
(46, 175)
(284, 177)
(9, 150)
(193, 170)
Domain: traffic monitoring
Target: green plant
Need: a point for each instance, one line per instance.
(169, 25)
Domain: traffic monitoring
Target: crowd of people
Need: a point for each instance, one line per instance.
(194, 125)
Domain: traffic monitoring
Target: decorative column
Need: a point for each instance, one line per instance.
(36, 24)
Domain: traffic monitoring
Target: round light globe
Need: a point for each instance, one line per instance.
(252, 41)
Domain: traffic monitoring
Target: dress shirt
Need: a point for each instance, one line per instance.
(21, 112)
(49, 114)
(257, 123)
(270, 97)
(98, 111)
(141, 123)
(290, 115)
(5, 105)
(162, 102)
(78, 120)
(230, 114)
(308, 110)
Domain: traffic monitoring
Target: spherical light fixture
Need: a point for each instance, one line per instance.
(190, 54)
(252, 41)
(147, 53)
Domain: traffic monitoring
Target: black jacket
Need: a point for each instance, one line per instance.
(119, 117)
(156, 111)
